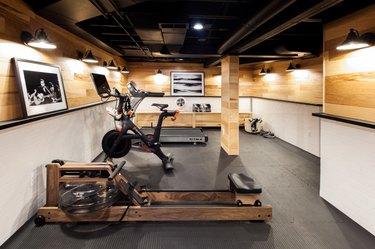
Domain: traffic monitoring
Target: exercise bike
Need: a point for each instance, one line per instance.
(117, 143)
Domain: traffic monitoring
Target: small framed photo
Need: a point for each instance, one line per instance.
(41, 87)
(187, 84)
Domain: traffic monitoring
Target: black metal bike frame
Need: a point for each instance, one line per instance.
(127, 124)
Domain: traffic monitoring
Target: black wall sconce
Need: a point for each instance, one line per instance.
(159, 72)
(159, 78)
(39, 40)
(124, 70)
(293, 67)
(87, 57)
(354, 41)
(111, 65)
(264, 71)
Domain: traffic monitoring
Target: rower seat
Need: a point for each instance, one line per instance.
(242, 183)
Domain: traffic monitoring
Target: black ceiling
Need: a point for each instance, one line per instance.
(255, 30)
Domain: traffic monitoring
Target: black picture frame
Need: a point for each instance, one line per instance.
(187, 83)
(40, 86)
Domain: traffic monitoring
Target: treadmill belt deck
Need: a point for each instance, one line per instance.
(179, 135)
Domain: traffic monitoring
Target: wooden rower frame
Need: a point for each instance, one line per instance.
(151, 205)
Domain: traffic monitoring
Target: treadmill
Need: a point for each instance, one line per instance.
(179, 134)
(168, 134)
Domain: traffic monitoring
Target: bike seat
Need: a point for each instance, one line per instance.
(160, 106)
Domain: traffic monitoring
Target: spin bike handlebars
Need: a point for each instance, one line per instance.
(117, 94)
(135, 92)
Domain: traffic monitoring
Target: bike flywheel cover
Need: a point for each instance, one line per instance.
(121, 149)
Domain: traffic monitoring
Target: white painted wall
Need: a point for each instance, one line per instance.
(145, 106)
(26, 149)
(291, 122)
(347, 178)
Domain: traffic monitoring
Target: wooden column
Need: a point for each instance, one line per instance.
(229, 105)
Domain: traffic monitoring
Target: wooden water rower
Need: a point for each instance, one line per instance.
(240, 202)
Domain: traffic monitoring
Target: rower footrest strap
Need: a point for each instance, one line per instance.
(242, 183)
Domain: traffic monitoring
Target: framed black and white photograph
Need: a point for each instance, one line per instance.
(201, 107)
(41, 87)
(187, 84)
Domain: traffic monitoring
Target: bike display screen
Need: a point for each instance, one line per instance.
(101, 84)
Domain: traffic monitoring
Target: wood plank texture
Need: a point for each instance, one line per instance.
(187, 119)
(305, 85)
(361, 113)
(349, 89)
(173, 196)
(53, 184)
(162, 213)
(16, 17)
(306, 88)
(229, 105)
(143, 73)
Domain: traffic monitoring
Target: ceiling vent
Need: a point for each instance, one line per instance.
(174, 33)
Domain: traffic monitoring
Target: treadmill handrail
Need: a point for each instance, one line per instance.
(142, 94)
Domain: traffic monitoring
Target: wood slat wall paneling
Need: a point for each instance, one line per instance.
(15, 17)
(187, 119)
(305, 85)
(143, 73)
(349, 75)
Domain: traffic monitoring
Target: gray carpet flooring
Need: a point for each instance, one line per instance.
(290, 181)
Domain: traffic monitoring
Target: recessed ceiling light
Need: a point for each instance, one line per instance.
(198, 26)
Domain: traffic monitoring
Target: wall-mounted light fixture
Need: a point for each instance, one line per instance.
(87, 57)
(124, 70)
(110, 65)
(159, 78)
(217, 79)
(354, 41)
(159, 72)
(293, 67)
(39, 40)
(264, 71)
